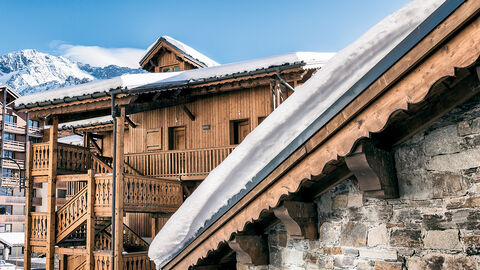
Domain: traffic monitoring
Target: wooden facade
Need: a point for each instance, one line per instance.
(166, 144)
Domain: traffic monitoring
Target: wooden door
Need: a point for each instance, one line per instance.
(178, 138)
(243, 130)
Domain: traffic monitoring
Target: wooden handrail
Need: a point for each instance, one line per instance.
(137, 261)
(70, 215)
(151, 194)
(39, 227)
(102, 260)
(179, 163)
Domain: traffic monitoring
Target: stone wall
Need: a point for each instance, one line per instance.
(435, 224)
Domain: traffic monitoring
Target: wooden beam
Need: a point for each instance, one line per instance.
(51, 194)
(130, 122)
(95, 144)
(250, 249)
(188, 112)
(90, 220)
(374, 169)
(27, 255)
(300, 219)
(118, 234)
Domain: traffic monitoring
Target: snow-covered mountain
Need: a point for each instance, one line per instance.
(31, 71)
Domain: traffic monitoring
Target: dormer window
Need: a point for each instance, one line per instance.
(171, 68)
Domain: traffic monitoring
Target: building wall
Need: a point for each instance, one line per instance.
(216, 111)
(435, 224)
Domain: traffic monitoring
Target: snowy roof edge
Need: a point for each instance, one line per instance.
(191, 57)
(389, 60)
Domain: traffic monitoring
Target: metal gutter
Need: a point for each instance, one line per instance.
(358, 88)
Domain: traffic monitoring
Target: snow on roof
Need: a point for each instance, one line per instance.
(87, 122)
(73, 140)
(127, 81)
(238, 172)
(203, 60)
(145, 80)
(12, 239)
(14, 93)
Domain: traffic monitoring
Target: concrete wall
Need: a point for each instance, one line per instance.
(435, 224)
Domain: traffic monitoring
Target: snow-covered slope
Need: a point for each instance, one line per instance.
(30, 71)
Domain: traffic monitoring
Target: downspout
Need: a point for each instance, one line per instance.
(4, 111)
(114, 161)
(283, 81)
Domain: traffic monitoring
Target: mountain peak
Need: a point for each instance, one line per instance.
(30, 71)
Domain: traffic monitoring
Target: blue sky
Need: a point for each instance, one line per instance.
(226, 31)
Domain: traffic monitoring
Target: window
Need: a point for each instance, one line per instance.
(35, 140)
(239, 129)
(33, 124)
(5, 227)
(260, 119)
(5, 209)
(11, 119)
(6, 192)
(170, 68)
(153, 138)
(7, 173)
(9, 136)
(8, 154)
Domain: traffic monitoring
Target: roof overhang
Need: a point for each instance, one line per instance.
(434, 71)
(163, 44)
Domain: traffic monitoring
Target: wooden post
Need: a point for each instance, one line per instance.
(51, 193)
(154, 227)
(28, 207)
(90, 220)
(118, 234)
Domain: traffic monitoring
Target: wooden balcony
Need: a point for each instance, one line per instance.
(71, 159)
(187, 164)
(14, 128)
(14, 146)
(14, 200)
(35, 132)
(12, 219)
(131, 261)
(9, 164)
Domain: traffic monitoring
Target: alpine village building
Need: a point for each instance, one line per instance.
(169, 129)
(16, 130)
(370, 160)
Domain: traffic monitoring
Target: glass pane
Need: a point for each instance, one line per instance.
(175, 69)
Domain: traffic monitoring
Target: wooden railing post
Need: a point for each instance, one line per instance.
(118, 234)
(28, 207)
(90, 220)
(52, 175)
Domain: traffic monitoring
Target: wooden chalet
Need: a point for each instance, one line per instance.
(149, 139)
(430, 72)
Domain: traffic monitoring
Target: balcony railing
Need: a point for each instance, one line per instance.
(193, 163)
(10, 164)
(131, 261)
(35, 132)
(14, 128)
(71, 159)
(14, 146)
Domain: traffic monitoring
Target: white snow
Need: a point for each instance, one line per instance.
(131, 81)
(208, 62)
(12, 239)
(306, 104)
(73, 140)
(87, 122)
(127, 81)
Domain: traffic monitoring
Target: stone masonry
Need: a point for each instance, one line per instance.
(435, 224)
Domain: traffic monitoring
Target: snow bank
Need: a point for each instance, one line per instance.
(264, 143)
